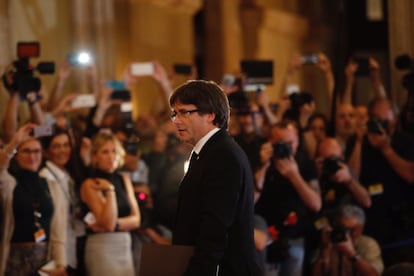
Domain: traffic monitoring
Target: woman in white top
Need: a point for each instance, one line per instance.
(58, 152)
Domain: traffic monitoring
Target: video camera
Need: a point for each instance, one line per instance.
(19, 76)
(282, 150)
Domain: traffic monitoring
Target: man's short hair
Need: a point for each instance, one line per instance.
(207, 96)
(376, 101)
(285, 123)
(353, 211)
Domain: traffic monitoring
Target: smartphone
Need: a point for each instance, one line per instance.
(86, 100)
(116, 85)
(363, 66)
(228, 80)
(292, 88)
(123, 95)
(79, 59)
(42, 131)
(126, 107)
(183, 69)
(28, 49)
(142, 69)
(310, 59)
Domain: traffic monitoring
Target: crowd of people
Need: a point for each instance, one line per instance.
(83, 187)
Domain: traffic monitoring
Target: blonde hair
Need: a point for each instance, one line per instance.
(104, 136)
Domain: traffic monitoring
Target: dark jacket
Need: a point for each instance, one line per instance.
(215, 210)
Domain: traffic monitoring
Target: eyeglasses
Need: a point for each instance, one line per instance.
(29, 151)
(59, 146)
(182, 113)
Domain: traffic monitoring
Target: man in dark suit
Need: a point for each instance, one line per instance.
(215, 204)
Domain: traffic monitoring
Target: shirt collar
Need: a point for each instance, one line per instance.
(56, 171)
(200, 144)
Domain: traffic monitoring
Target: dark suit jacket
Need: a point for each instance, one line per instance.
(215, 210)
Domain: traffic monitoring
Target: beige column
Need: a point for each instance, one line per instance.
(104, 38)
(160, 30)
(224, 38)
(5, 38)
(249, 29)
(280, 36)
(81, 38)
(401, 41)
(6, 52)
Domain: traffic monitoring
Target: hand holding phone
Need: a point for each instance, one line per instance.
(142, 69)
(80, 59)
(310, 59)
(86, 100)
(363, 66)
(43, 131)
(123, 95)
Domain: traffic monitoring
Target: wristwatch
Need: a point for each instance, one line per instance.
(32, 98)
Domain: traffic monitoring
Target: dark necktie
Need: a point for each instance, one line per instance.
(194, 157)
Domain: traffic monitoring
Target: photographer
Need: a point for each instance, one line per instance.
(382, 151)
(345, 250)
(338, 185)
(290, 193)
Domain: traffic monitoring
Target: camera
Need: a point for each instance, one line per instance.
(363, 66)
(282, 150)
(122, 95)
(338, 234)
(19, 76)
(132, 145)
(310, 59)
(376, 126)
(331, 165)
(258, 72)
(182, 69)
(228, 80)
(80, 59)
(297, 99)
(120, 92)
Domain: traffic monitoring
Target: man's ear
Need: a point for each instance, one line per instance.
(211, 117)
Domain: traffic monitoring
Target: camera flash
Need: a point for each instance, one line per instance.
(84, 58)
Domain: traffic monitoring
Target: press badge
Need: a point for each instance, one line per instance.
(330, 195)
(321, 223)
(376, 189)
(40, 235)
